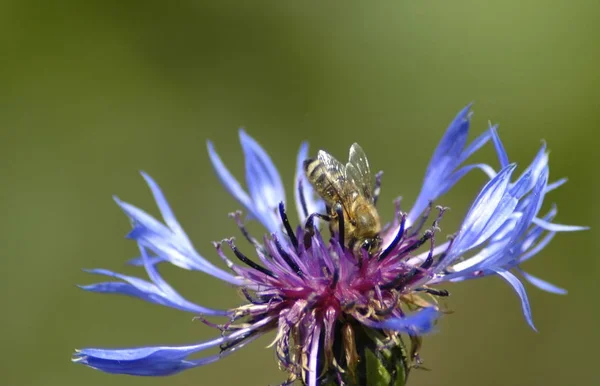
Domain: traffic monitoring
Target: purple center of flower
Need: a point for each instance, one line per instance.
(308, 284)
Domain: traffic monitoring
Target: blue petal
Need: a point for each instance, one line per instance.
(542, 284)
(502, 156)
(518, 287)
(141, 218)
(485, 215)
(533, 203)
(504, 230)
(538, 247)
(313, 204)
(264, 183)
(121, 288)
(164, 207)
(144, 361)
(534, 170)
(313, 356)
(452, 143)
(418, 323)
(159, 360)
(556, 184)
(228, 180)
(539, 163)
(300, 183)
(558, 227)
(449, 154)
(152, 293)
(475, 145)
(139, 261)
(169, 244)
(460, 173)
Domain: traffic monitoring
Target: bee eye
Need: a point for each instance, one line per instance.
(371, 245)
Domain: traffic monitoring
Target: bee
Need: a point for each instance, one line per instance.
(348, 192)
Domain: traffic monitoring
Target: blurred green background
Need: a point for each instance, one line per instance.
(91, 92)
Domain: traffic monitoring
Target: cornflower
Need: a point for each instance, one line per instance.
(339, 314)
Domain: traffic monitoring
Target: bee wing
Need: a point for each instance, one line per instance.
(359, 172)
(331, 183)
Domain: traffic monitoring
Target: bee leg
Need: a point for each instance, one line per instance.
(331, 218)
(339, 210)
(309, 227)
(377, 188)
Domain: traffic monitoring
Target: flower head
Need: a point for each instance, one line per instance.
(330, 304)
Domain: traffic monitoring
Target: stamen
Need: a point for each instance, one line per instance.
(237, 343)
(416, 245)
(401, 281)
(302, 198)
(237, 216)
(287, 258)
(348, 306)
(336, 277)
(397, 238)
(415, 343)
(398, 204)
(207, 322)
(246, 260)
(434, 227)
(221, 254)
(417, 228)
(377, 188)
(379, 294)
(397, 214)
(254, 299)
(289, 382)
(388, 310)
(445, 253)
(433, 291)
(442, 210)
(429, 260)
(287, 226)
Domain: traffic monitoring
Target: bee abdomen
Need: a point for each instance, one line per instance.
(312, 166)
(316, 173)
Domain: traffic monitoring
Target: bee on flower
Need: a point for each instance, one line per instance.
(344, 293)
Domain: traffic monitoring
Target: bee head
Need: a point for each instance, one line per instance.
(371, 245)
